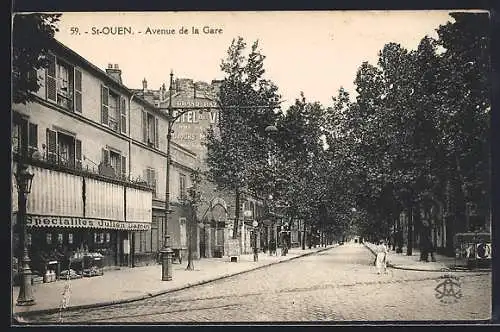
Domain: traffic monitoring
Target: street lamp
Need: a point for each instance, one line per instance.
(166, 262)
(171, 118)
(24, 180)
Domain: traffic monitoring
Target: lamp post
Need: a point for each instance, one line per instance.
(24, 180)
(166, 251)
(171, 118)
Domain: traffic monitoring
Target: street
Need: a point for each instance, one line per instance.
(339, 284)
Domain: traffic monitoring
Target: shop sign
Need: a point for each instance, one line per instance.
(198, 103)
(57, 221)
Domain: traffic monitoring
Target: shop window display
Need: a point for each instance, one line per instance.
(76, 253)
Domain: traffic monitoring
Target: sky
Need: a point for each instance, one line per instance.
(313, 52)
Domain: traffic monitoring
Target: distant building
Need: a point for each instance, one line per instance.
(216, 212)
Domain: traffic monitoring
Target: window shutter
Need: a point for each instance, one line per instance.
(71, 88)
(153, 181)
(157, 134)
(105, 157)
(144, 126)
(124, 167)
(118, 170)
(33, 138)
(123, 109)
(78, 153)
(51, 89)
(117, 115)
(104, 105)
(78, 91)
(51, 145)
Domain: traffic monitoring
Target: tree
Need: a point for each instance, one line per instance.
(300, 177)
(247, 102)
(465, 110)
(420, 123)
(31, 38)
(191, 202)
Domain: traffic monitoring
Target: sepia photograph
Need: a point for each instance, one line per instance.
(250, 167)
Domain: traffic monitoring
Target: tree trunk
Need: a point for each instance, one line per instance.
(236, 213)
(409, 246)
(460, 199)
(191, 221)
(303, 234)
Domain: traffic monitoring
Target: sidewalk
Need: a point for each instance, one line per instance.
(131, 284)
(404, 262)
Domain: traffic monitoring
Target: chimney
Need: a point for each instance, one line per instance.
(216, 84)
(114, 72)
(144, 85)
(163, 92)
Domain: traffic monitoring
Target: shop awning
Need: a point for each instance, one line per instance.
(78, 222)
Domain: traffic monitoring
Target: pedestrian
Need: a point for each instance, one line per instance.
(381, 259)
(432, 249)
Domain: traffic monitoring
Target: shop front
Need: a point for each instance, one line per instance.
(63, 239)
(79, 223)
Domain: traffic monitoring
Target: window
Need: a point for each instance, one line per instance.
(182, 186)
(113, 110)
(150, 132)
(114, 115)
(63, 148)
(24, 136)
(142, 242)
(150, 175)
(64, 84)
(114, 159)
(66, 147)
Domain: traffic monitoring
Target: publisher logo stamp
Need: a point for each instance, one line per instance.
(449, 289)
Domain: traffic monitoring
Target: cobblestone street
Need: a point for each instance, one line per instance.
(335, 285)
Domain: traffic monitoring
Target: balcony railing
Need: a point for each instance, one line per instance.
(58, 162)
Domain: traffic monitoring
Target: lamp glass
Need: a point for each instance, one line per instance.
(24, 179)
(29, 177)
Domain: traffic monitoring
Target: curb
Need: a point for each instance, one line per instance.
(445, 269)
(18, 316)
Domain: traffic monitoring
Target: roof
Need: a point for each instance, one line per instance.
(84, 63)
(64, 50)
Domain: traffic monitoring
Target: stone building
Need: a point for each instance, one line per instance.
(97, 151)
